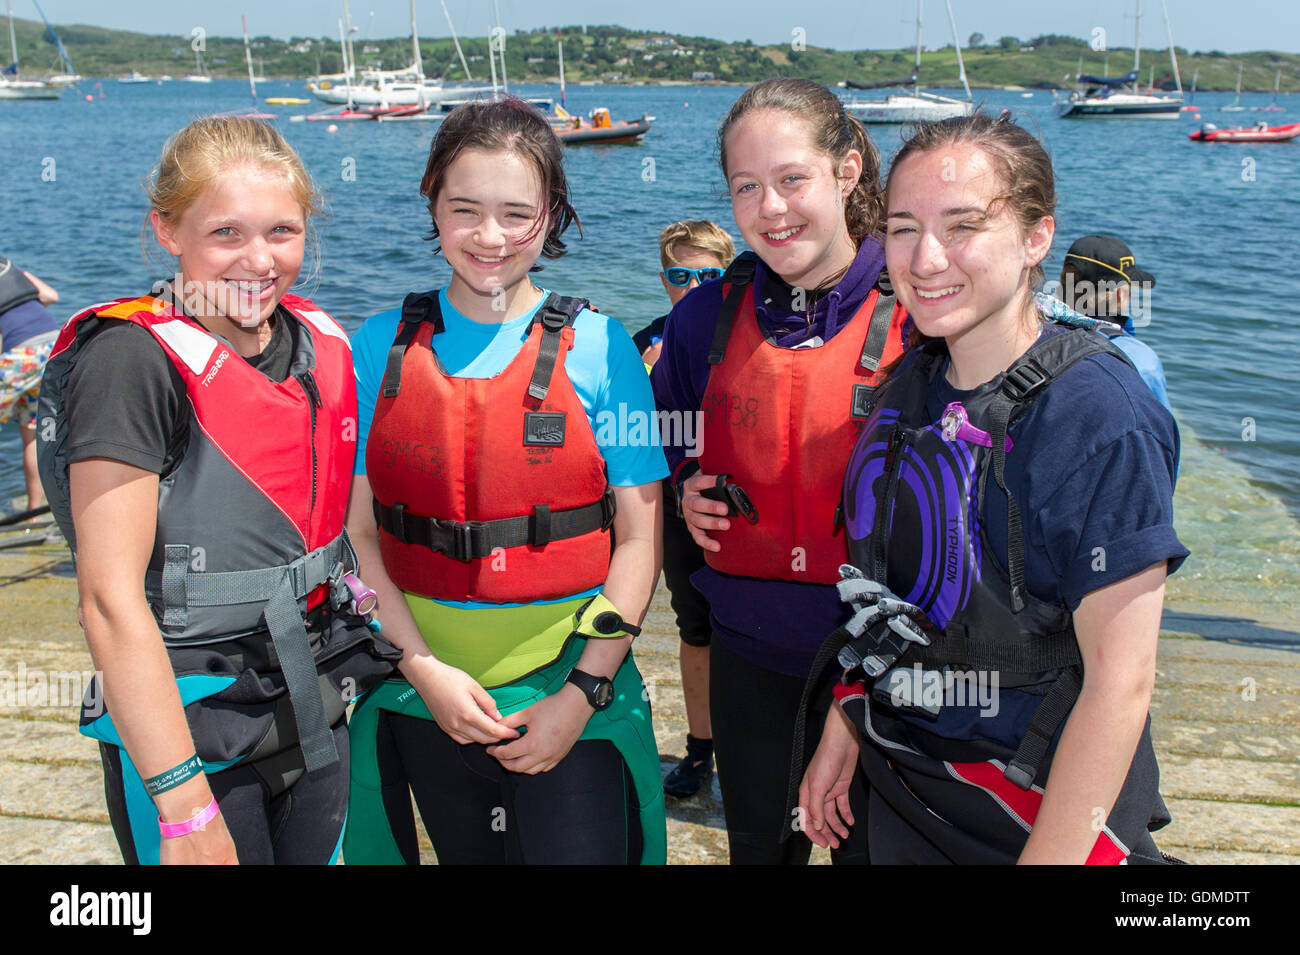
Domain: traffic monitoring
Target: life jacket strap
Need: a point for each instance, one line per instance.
(474, 540)
(556, 313)
(958, 650)
(281, 588)
(417, 308)
(1047, 718)
(739, 274)
(873, 346)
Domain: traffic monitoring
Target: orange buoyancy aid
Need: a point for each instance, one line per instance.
(782, 423)
(457, 466)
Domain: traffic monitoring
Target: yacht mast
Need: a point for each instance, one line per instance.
(956, 45)
(1173, 56)
(459, 52)
(916, 84)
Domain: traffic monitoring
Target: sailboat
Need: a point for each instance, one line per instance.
(11, 87)
(68, 75)
(1273, 107)
(1101, 97)
(920, 106)
(1235, 106)
(198, 76)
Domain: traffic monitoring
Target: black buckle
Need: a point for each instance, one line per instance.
(459, 544)
(552, 319)
(1024, 378)
(608, 508)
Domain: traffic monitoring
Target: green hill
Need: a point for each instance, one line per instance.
(613, 54)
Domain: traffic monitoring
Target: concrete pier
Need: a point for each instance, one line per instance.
(1226, 720)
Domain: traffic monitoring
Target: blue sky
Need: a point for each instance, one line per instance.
(844, 24)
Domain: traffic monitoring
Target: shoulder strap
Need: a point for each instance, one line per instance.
(739, 275)
(555, 314)
(418, 307)
(1022, 383)
(873, 347)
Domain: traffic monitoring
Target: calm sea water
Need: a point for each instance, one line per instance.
(1216, 224)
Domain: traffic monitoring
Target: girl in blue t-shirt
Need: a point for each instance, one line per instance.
(1009, 604)
(510, 457)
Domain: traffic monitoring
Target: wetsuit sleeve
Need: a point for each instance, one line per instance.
(627, 429)
(1113, 516)
(370, 347)
(124, 401)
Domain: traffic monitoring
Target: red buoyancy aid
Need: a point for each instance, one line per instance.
(782, 422)
(247, 417)
(457, 466)
(249, 531)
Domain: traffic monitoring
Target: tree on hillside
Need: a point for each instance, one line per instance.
(976, 39)
(1009, 43)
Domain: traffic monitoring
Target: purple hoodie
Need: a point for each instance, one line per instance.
(775, 624)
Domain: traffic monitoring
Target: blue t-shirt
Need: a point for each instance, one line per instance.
(604, 367)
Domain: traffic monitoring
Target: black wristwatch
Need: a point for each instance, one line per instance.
(598, 690)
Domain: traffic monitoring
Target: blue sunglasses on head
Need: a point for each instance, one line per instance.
(679, 276)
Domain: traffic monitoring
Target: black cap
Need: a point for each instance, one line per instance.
(1099, 258)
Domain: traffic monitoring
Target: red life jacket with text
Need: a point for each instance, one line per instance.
(782, 422)
(250, 520)
(457, 466)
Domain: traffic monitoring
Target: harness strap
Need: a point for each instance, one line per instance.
(281, 588)
(1050, 714)
(957, 649)
(418, 307)
(556, 313)
(473, 540)
(739, 274)
(829, 649)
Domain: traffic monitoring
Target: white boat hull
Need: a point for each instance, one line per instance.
(907, 109)
(29, 89)
(1120, 106)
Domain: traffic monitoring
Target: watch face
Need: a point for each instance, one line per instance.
(604, 694)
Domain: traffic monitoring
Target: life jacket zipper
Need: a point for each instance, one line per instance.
(880, 533)
(313, 402)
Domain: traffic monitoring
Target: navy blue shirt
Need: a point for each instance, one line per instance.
(1093, 470)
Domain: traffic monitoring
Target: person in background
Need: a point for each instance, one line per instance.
(1097, 280)
(691, 251)
(27, 333)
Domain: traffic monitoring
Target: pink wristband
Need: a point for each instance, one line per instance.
(171, 830)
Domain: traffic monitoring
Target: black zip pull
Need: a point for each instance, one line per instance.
(309, 386)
